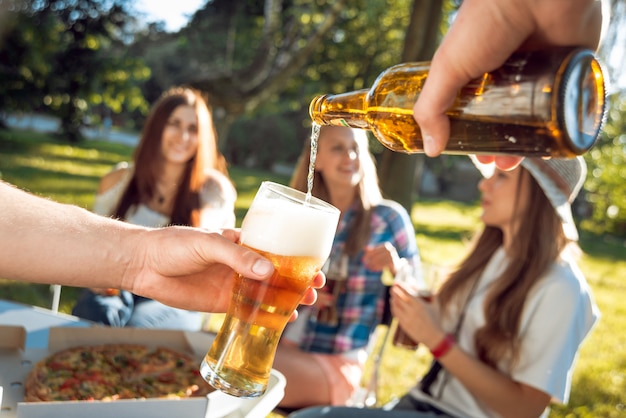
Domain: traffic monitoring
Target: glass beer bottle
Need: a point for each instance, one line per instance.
(540, 103)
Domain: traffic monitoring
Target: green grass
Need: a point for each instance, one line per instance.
(70, 174)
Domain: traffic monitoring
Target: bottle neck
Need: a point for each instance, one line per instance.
(347, 109)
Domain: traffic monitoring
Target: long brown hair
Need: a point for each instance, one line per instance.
(148, 159)
(537, 243)
(368, 192)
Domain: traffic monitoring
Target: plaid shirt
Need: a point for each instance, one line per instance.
(360, 305)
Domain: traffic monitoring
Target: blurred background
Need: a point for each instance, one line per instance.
(91, 68)
(77, 78)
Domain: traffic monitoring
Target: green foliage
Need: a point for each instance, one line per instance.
(366, 40)
(63, 57)
(26, 57)
(264, 140)
(54, 169)
(607, 170)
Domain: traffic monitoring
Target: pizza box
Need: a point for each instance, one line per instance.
(16, 362)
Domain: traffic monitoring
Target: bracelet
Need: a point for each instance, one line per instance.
(444, 346)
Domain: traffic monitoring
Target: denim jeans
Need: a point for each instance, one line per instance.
(128, 310)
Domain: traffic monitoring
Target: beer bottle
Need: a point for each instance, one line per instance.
(540, 103)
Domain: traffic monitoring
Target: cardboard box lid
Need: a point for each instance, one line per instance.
(12, 337)
(36, 321)
(15, 363)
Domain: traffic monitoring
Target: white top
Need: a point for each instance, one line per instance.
(217, 196)
(558, 314)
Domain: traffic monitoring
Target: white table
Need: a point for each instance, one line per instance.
(37, 321)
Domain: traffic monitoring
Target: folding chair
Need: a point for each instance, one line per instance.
(367, 395)
(56, 297)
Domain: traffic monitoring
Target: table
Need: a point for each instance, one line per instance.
(37, 321)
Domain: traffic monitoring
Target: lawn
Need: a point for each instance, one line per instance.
(70, 174)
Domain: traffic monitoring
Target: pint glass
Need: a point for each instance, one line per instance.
(296, 234)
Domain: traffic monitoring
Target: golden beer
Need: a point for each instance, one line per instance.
(258, 313)
(296, 235)
(540, 103)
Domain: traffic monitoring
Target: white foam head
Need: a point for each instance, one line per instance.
(289, 228)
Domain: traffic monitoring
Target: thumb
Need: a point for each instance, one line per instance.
(243, 260)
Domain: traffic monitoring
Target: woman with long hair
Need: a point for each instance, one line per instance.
(177, 177)
(506, 325)
(322, 353)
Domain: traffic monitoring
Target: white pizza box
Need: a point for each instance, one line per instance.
(16, 362)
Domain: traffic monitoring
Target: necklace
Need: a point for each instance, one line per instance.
(162, 195)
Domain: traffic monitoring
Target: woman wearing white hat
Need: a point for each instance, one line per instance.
(506, 325)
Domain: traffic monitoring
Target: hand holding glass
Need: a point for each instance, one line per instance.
(422, 287)
(296, 234)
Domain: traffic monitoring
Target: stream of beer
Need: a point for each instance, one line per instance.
(315, 134)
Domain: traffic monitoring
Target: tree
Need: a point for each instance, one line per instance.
(400, 172)
(283, 57)
(62, 54)
(605, 188)
(285, 39)
(89, 29)
(26, 57)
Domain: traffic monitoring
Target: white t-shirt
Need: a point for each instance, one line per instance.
(558, 314)
(217, 199)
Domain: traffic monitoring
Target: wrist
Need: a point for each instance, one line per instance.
(444, 346)
(133, 258)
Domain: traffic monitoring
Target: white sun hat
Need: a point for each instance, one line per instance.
(560, 179)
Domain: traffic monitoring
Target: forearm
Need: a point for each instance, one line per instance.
(493, 388)
(47, 242)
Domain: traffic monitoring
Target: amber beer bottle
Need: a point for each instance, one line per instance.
(540, 103)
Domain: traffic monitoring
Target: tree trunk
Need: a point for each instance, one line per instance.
(400, 173)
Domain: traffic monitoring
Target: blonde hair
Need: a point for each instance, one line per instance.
(368, 190)
(538, 242)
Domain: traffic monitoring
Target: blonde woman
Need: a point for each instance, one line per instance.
(321, 354)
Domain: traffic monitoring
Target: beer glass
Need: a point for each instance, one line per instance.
(295, 231)
(423, 287)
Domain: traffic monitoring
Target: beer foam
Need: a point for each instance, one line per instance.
(288, 228)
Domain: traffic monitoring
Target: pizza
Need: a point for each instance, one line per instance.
(111, 372)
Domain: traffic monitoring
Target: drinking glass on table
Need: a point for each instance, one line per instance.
(296, 233)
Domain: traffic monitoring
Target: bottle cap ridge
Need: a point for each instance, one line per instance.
(582, 100)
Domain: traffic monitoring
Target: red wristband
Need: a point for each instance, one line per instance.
(444, 346)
